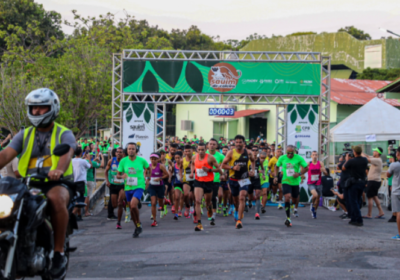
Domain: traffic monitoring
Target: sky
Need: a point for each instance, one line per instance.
(234, 19)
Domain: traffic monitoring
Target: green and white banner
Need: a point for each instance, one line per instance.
(160, 76)
(302, 132)
(138, 126)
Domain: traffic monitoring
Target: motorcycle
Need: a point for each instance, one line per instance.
(26, 233)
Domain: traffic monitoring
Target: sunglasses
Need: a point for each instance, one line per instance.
(290, 153)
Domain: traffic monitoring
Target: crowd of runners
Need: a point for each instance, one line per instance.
(195, 179)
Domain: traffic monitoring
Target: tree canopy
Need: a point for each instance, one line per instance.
(379, 74)
(356, 33)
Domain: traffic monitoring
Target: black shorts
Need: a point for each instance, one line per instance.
(372, 188)
(157, 191)
(224, 186)
(47, 186)
(190, 183)
(206, 186)
(271, 179)
(294, 190)
(115, 189)
(255, 185)
(168, 186)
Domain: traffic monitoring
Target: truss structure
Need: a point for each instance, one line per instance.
(281, 101)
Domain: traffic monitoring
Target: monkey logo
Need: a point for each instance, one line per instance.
(223, 77)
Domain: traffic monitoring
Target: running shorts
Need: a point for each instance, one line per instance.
(294, 190)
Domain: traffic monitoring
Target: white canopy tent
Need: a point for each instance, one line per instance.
(374, 118)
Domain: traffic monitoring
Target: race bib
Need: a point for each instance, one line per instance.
(154, 182)
(255, 174)
(290, 172)
(132, 181)
(188, 179)
(178, 178)
(244, 182)
(118, 181)
(201, 173)
(314, 177)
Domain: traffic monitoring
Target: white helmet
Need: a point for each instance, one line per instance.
(42, 97)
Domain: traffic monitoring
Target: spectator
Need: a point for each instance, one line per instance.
(11, 169)
(374, 183)
(394, 170)
(356, 183)
(344, 175)
(91, 179)
(390, 180)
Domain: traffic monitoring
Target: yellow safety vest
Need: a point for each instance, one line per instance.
(24, 167)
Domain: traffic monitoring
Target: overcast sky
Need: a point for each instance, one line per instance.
(234, 19)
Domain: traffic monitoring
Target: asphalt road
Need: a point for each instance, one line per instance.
(325, 248)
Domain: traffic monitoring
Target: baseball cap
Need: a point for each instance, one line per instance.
(379, 150)
(357, 149)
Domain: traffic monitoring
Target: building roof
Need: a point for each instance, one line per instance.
(357, 92)
(244, 113)
(392, 87)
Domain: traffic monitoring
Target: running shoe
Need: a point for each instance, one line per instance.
(246, 208)
(112, 218)
(315, 214)
(191, 209)
(312, 210)
(263, 210)
(250, 205)
(186, 214)
(230, 211)
(199, 227)
(165, 210)
(151, 217)
(257, 217)
(295, 213)
(236, 215)
(138, 231)
(280, 207)
(161, 214)
(225, 213)
(239, 225)
(343, 215)
(397, 237)
(176, 217)
(127, 215)
(253, 203)
(118, 226)
(212, 222)
(180, 213)
(159, 208)
(194, 219)
(154, 224)
(288, 222)
(173, 209)
(273, 198)
(393, 219)
(346, 218)
(167, 202)
(269, 196)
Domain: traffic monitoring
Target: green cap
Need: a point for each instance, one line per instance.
(379, 150)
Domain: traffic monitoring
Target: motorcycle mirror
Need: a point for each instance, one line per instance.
(61, 149)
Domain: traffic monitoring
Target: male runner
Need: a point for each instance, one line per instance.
(188, 179)
(264, 180)
(293, 167)
(236, 161)
(314, 182)
(115, 185)
(177, 182)
(169, 191)
(203, 165)
(255, 186)
(134, 169)
(274, 186)
(212, 150)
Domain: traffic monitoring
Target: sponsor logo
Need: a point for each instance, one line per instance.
(131, 136)
(138, 137)
(308, 154)
(131, 171)
(249, 81)
(139, 127)
(291, 82)
(299, 146)
(298, 128)
(279, 81)
(265, 81)
(223, 77)
(306, 128)
(306, 83)
(302, 136)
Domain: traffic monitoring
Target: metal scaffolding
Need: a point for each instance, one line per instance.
(161, 99)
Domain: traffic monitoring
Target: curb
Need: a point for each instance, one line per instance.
(97, 194)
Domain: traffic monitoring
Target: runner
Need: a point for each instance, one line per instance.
(133, 168)
(293, 167)
(224, 193)
(264, 180)
(213, 146)
(188, 180)
(203, 166)
(177, 183)
(275, 187)
(255, 186)
(115, 185)
(167, 182)
(156, 188)
(236, 161)
(314, 182)
(170, 190)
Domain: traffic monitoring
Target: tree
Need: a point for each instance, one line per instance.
(302, 33)
(379, 74)
(25, 24)
(356, 33)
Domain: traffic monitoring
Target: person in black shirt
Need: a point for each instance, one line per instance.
(356, 184)
(344, 175)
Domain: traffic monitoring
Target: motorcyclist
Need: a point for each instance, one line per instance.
(35, 144)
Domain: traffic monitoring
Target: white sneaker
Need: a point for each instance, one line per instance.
(280, 206)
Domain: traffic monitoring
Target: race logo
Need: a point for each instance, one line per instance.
(223, 77)
(298, 128)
